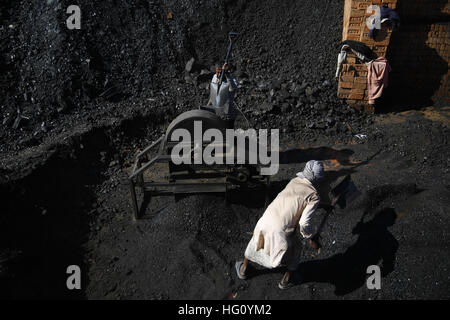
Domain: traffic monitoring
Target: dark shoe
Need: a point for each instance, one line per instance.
(238, 266)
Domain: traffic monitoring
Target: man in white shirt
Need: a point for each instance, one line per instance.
(276, 240)
(222, 104)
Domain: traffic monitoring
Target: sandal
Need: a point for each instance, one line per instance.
(296, 279)
(285, 286)
(238, 266)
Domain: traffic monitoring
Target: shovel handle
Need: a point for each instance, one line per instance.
(231, 35)
(322, 223)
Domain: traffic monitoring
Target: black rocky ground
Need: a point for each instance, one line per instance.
(78, 104)
(129, 57)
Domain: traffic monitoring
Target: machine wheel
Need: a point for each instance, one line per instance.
(186, 121)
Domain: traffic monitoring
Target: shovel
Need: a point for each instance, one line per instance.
(231, 35)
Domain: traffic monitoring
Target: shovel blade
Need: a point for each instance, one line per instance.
(345, 192)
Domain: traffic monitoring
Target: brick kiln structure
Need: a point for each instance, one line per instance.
(418, 53)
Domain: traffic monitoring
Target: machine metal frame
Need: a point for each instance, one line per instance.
(189, 183)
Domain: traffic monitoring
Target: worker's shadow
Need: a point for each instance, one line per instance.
(348, 271)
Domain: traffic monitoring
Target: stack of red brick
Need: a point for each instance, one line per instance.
(353, 78)
(418, 51)
(439, 39)
(420, 55)
(419, 11)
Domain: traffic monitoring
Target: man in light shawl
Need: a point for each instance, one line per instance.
(223, 104)
(276, 241)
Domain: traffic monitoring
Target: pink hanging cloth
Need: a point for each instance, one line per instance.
(377, 78)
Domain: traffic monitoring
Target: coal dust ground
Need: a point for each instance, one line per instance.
(77, 106)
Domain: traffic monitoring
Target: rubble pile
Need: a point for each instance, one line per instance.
(136, 55)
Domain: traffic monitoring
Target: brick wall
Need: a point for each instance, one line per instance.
(353, 78)
(419, 55)
(420, 11)
(418, 52)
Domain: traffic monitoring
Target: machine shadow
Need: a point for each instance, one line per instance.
(322, 153)
(263, 197)
(348, 271)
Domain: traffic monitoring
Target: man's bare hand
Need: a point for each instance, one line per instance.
(313, 243)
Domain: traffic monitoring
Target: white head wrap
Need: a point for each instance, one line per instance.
(313, 171)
